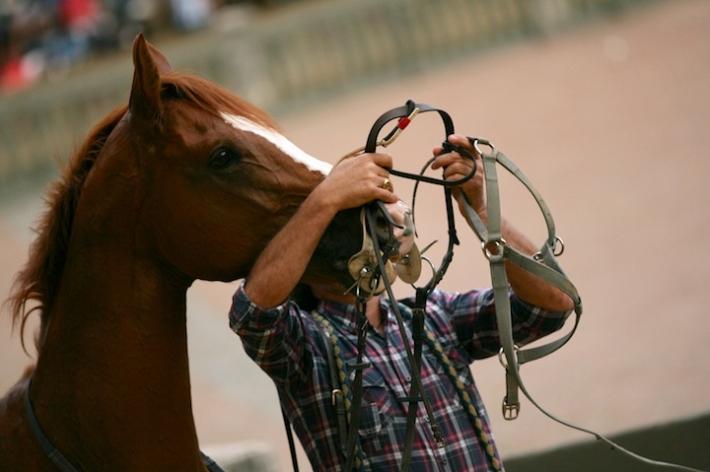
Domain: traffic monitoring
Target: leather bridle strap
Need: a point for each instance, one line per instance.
(353, 433)
(415, 395)
(416, 390)
(48, 448)
(57, 458)
(291, 442)
(402, 113)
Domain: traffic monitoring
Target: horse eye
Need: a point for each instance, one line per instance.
(223, 157)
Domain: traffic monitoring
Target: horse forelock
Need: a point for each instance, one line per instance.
(35, 286)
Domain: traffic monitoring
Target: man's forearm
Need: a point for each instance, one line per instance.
(282, 263)
(528, 287)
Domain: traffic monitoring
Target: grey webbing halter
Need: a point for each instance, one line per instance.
(57, 458)
(544, 265)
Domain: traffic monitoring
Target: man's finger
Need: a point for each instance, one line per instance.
(445, 160)
(386, 196)
(382, 160)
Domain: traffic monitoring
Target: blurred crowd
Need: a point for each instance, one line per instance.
(43, 37)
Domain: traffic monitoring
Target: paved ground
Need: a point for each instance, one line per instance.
(611, 122)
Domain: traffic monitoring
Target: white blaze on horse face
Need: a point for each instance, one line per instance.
(280, 141)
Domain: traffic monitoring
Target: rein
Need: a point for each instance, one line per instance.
(404, 115)
(55, 455)
(496, 250)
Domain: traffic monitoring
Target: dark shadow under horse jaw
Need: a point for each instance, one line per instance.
(112, 387)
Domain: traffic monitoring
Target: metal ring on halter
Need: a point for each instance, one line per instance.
(431, 266)
(557, 250)
(559, 247)
(484, 142)
(493, 248)
(501, 359)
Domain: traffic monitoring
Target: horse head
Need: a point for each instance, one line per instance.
(210, 178)
(185, 182)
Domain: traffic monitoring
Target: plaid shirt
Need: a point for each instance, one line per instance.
(289, 345)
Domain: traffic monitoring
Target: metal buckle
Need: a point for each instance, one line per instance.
(334, 393)
(510, 411)
(501, 357)
(484, 142)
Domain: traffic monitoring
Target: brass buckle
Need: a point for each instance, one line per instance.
(333, 394)
(510, 410)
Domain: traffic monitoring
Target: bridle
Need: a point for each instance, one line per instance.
(404, 116)
(542, 264)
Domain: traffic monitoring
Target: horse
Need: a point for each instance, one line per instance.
(187, 181)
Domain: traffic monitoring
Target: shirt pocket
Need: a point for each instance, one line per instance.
(376, 411)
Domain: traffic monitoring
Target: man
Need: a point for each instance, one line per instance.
(289, 343)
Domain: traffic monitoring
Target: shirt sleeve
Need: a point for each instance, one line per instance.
(472, 316)
(273, 338)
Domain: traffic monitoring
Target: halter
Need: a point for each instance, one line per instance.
(542, 264)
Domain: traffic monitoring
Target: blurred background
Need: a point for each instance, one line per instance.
(605, 104)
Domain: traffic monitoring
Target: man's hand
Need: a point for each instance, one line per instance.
(353, 182)
(528, 287)
(457, 167)
(356, 181)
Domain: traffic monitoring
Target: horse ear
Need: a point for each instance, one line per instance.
(148, 64)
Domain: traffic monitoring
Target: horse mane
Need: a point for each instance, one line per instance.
(35, 286)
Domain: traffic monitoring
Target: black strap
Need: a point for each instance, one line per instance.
(416, 377)
(357, 388)
(403, 112)
(58, 458)
(50, 451)
(415, 396)
(336, 394)
(291, 443)
(416, 393)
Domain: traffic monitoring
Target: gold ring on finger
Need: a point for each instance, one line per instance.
(386, 184)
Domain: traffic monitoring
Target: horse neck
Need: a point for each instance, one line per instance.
(112, 386)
